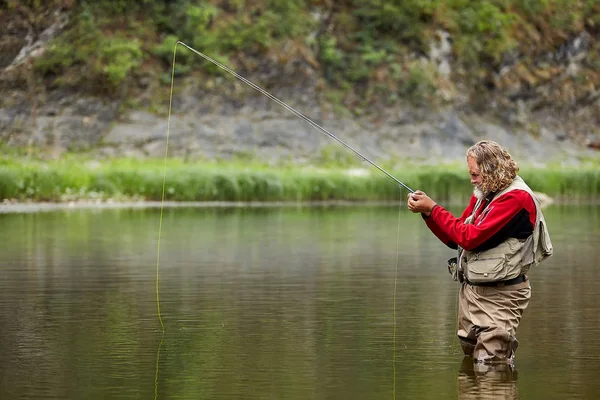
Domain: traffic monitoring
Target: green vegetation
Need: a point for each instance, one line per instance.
(73, 179)
(365, 51)
(368, 48)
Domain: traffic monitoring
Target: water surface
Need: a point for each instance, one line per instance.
(275, 303)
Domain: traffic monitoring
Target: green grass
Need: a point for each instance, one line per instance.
(74, 178)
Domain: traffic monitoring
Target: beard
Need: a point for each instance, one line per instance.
(478, 193)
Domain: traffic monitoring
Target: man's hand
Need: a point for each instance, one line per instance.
(419, 202)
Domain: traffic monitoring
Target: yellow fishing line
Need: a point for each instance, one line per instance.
(395, 282)
(301, 116)
(162, 204)
(162, 200)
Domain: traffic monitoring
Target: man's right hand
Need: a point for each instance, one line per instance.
(419, 202)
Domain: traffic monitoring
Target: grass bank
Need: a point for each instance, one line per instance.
(75, 179)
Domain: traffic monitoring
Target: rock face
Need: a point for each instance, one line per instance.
(222, 125)
(270, 133)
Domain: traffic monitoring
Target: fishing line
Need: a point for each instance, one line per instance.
(162, 203)
(395, 284)
(310, 122)
(296, 113)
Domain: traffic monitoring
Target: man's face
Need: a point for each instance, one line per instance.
(475, 172)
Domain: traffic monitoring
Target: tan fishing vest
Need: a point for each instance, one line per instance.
(512, 257)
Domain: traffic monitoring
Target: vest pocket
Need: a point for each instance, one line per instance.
(486, 268)
(545, 243)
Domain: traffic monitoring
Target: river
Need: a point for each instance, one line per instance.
(275, 303)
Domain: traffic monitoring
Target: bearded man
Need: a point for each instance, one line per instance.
(499, 236)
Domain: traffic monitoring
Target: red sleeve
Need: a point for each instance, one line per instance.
(497, 215)
(439, 233)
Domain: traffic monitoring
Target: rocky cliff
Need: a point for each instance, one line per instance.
(544, 106)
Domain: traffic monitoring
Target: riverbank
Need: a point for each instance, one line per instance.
(78, 180)
(33, 207)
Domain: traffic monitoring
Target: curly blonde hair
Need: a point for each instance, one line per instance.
(498, 168)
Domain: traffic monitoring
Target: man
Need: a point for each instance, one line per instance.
(499, 236)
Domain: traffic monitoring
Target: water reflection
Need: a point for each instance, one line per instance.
(487, 381)
(275, 303)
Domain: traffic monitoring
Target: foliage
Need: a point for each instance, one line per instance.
(417, 82)
(369, 47)
(108, 59)
(70, 179)
(221, 28)
(120, 56)
(484, 31)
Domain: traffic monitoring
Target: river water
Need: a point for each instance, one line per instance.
(275, 303)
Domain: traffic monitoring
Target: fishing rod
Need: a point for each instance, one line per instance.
(296, 113)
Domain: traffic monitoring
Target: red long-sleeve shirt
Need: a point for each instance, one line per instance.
(510, 215)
